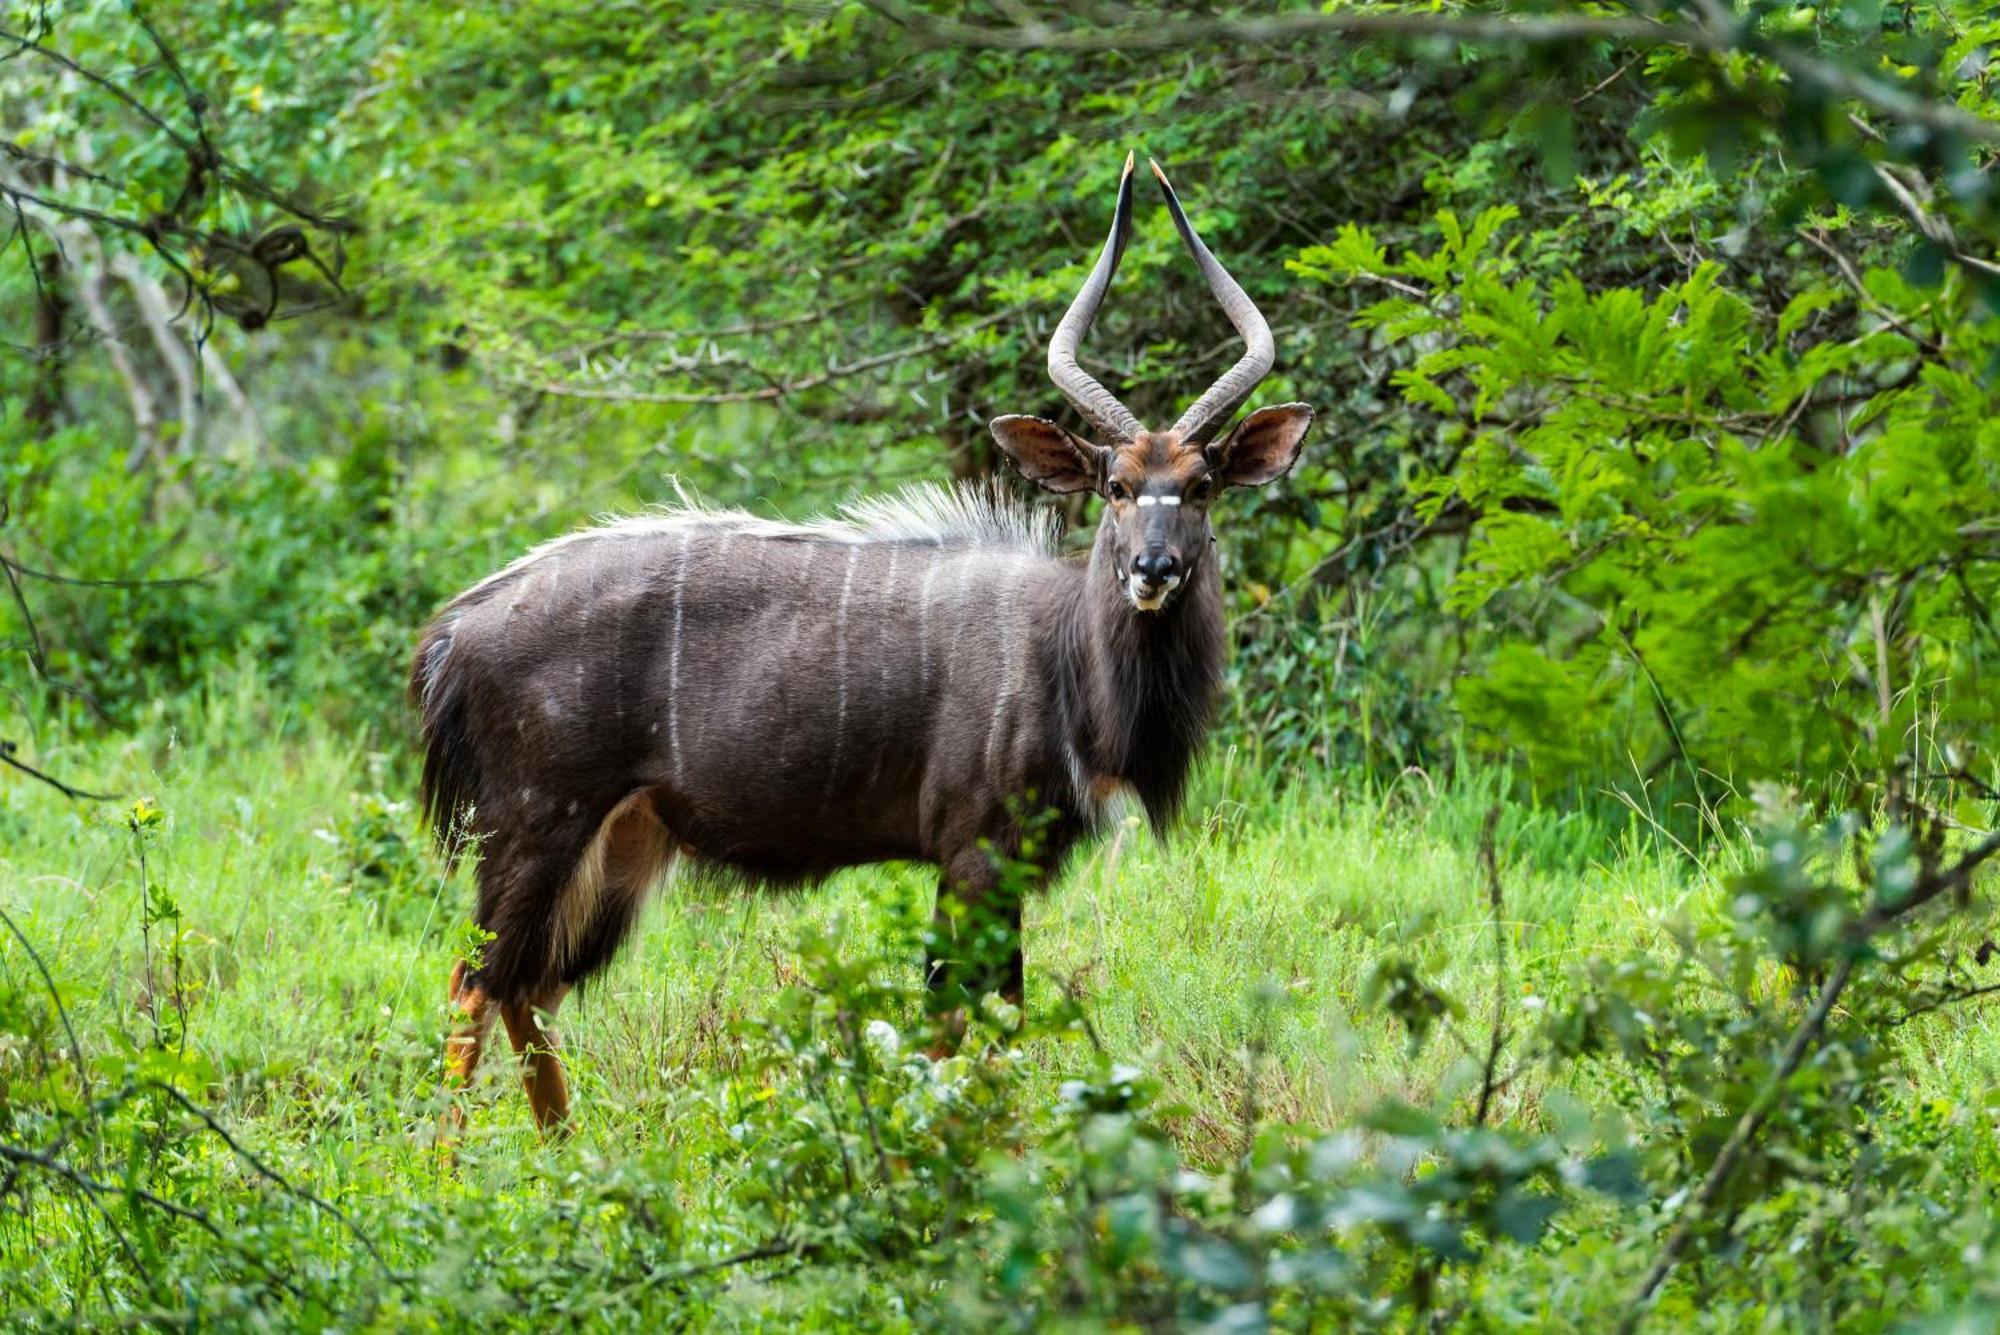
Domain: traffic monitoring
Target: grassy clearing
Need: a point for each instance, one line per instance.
(313, 982)
(317, 937)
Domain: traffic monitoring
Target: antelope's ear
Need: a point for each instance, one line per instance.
(1263, 447)
(1049, 456)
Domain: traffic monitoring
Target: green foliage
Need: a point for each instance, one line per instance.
(1734, 548)
(382, 867)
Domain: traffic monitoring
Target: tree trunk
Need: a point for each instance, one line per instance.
(45, 395)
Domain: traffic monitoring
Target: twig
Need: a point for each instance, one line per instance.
(1497, 1040)
(23, 156)
(55, 997)
(272, 1175)
(8, 757)
(1817, 239)
(93, 1190)
(770, 1251)
(776, 389)
(88, 582)
(1940, 1002)
(49, 1163)
(1604, 83)
(1950, 881)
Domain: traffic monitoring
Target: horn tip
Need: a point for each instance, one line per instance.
(1154, 163)
(1130, 158)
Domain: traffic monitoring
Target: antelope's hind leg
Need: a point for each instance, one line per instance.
(520, 874)
(462, 1049)
(537, 1047)
(630, 852)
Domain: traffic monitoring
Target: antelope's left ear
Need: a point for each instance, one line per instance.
(1047, 455)
(1263, 447)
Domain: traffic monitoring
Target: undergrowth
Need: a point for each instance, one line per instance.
(1380, 1056)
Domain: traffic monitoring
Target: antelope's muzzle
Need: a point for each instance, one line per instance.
(1155, 575)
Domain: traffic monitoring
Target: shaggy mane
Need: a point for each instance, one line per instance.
(936, 514)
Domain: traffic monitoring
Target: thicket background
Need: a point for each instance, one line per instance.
(1651, 506)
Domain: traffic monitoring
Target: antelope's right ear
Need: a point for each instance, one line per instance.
(1049, 456)
(1263, 446)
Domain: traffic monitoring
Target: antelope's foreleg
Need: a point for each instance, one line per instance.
(974, 946)
(538, 1048)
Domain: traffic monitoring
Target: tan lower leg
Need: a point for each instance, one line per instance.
(541, 1065)
(463, 1047)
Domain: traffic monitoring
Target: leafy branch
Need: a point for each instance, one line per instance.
(1932, 883)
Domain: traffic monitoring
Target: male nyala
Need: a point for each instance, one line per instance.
(920, 678)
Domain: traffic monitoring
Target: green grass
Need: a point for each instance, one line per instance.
(315, 994)
(307, 987)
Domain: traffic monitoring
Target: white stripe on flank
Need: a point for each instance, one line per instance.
(840, 662)
(924, 628)
(674, 652)
(958, 623)
(887, 613)
(1011, 655)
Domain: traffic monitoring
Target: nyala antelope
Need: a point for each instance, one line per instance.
(913, 679)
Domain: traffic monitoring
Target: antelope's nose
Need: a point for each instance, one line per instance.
(1156, 567)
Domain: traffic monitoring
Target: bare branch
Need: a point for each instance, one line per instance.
(91, 272)
(775, 390)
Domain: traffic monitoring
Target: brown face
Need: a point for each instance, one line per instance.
(1156, 493)
(1156, 487)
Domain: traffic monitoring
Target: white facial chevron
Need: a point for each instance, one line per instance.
(1156, 500)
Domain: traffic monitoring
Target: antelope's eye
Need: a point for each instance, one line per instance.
(1202, 490)
(1116, 491)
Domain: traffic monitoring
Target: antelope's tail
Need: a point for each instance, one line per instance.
(451, 772)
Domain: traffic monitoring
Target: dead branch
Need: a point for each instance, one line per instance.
(158, 318)
(89, 267)
(7, 757)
